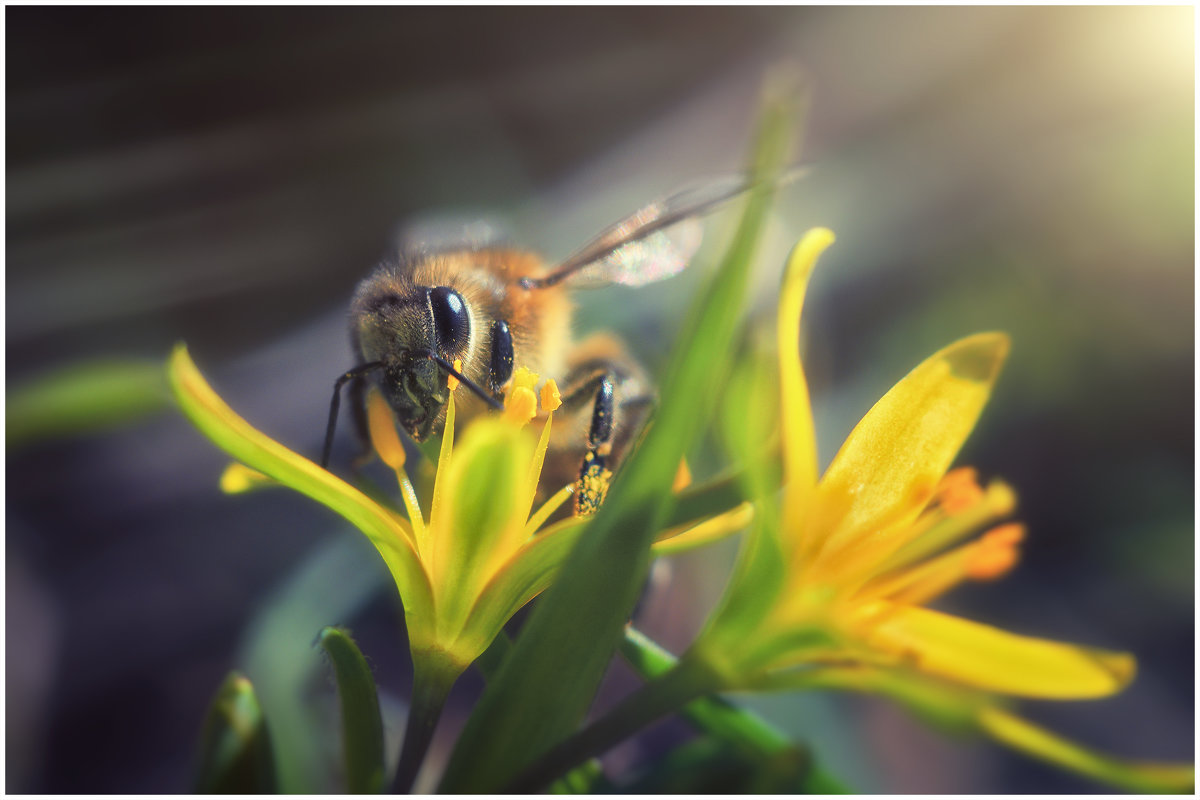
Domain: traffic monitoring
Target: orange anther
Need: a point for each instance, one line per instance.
(989, 563)
(995, 553)
(452, 381)
(1007, 535)
(382, 429)
(959, 490)
(683, 477)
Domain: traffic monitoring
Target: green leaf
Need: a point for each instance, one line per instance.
(362, 726)
(749, 411)
(546, 684)
(587, 778)
(83, 397)
(235, 746)
(336, 579)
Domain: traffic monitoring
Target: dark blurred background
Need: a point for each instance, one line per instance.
(224, 176)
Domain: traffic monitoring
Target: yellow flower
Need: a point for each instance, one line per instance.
(481, 553)
(831, 589)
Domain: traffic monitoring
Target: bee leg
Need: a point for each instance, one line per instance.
(358, 414)
(355, 375)
(594, 475)
(500, 366)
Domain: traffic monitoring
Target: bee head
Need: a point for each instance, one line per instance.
(415, 335)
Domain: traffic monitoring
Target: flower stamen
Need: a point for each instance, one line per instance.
(996, 553)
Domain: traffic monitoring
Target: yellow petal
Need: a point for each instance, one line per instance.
(678, 540)
(390, 535)
(1134, 776)
(995, 660)
(800, 444)
(891, 463)
(484, 514)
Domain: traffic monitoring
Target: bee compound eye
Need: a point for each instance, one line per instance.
(451, 321)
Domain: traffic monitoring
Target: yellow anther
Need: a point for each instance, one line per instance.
(524, 378)
(452, 381)
(382, 428)
(1000, 500)
(551, 397)
(521, 406)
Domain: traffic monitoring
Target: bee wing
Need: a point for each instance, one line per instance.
(437, 233)
(653, 243)
(635, 262)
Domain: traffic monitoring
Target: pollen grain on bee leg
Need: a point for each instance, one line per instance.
(593, 483)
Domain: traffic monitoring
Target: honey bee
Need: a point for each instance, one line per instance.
(493, 309)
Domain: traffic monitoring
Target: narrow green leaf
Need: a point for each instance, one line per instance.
(587, 778)
(235, 746)
(362, 726)
(546, 684)
(748, 413)
(83, 397)
(335, 579)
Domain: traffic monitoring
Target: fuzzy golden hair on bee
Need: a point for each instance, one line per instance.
(494, 309)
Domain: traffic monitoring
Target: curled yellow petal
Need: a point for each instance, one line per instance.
(988, 658)
(800, 444)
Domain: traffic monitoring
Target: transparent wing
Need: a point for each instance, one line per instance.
(653, 243)
(636, 262)
(437, 233)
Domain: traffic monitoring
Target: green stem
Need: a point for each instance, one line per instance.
(431, 686)
(686, 681)
(718, 717)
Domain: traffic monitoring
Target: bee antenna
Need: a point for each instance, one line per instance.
(357, 372)
(492, 402)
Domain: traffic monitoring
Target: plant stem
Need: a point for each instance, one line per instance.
(431, 686)
(686, 681)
